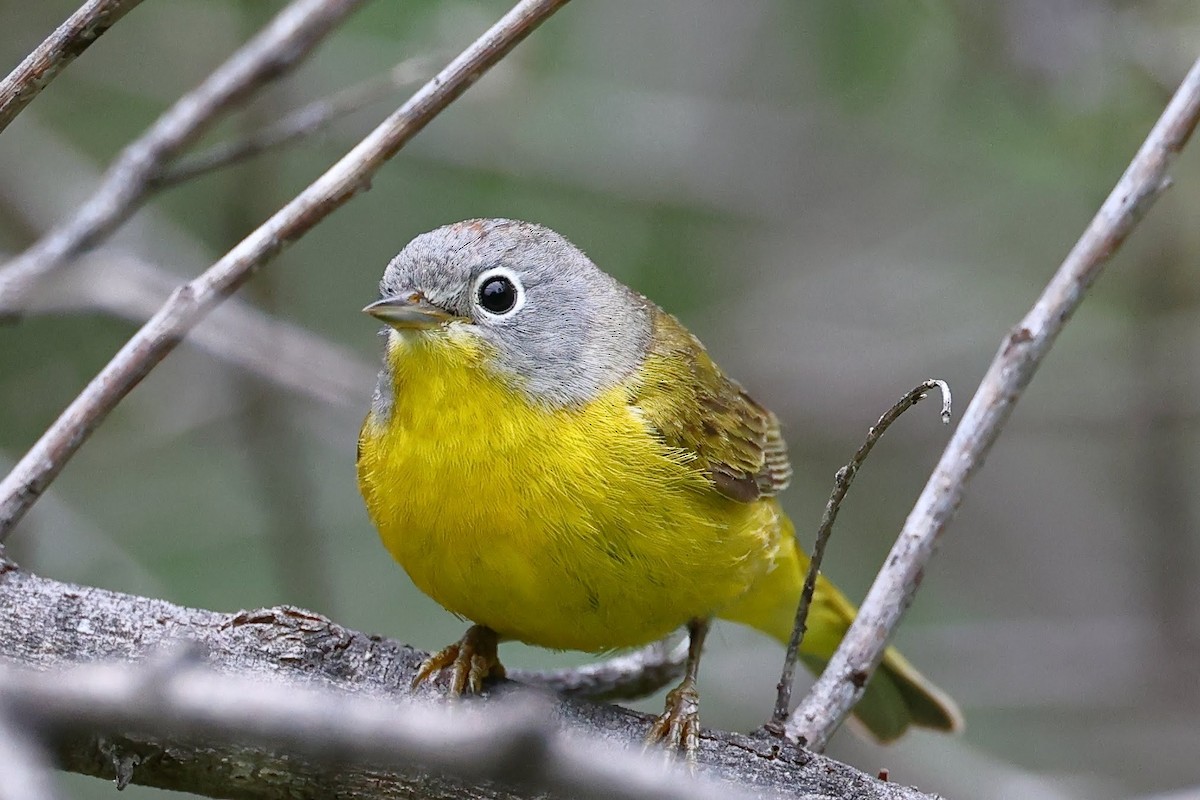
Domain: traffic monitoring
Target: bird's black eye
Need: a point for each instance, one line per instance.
(498, 294)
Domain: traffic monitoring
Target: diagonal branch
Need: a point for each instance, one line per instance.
(305, 121)
(192, 301)
(282, 44)
(1020, 354)
(54, 54)
(164, 724)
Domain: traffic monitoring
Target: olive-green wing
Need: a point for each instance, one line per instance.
(686, 399)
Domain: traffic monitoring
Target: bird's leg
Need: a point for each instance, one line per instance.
(679, 725)
(471, 660)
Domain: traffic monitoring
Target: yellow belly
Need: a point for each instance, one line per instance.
(565, 528)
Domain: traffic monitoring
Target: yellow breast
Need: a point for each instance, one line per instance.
(567, 528)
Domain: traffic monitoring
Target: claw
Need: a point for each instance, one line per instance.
(679, 725)
(471, 660)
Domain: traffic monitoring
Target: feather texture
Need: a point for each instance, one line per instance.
(693, 407)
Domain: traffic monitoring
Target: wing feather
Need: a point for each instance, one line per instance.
(694, 407)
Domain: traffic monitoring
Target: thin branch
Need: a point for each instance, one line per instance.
(625, 677)
(282, 44)
(54, 54)
(1020, 354)
(192, 301)
(841, 485)
(183, 730)
(24, 771)
(305, 121)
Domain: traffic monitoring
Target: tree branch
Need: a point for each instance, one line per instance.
(278, 47)
(283, 742)
(192, 301)
(54, 54)
(305, 121)
(1020, 354)
(625, 677)
(513, 742)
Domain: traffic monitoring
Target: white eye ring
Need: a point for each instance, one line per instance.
(508, 275)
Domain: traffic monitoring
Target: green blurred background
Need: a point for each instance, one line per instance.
(840, 198)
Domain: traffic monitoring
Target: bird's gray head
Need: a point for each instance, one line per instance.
(562, 330)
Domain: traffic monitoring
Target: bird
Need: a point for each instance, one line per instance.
(553, 457)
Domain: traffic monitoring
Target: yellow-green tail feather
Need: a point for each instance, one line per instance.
(897, 695)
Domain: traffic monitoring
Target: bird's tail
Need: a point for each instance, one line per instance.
(896, 696)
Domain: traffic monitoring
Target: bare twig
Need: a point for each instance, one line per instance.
(295, 125)
(54, 54)
(841, 485)
(287, 39)
(24, 771)
(625, 677)
(56, 626)
(192, 301)
(1020, 354)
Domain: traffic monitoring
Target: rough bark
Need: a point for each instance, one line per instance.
(49, 625)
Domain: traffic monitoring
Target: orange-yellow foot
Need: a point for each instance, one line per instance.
(471, 660)
(679, 726)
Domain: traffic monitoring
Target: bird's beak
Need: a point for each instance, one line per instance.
(409, 312)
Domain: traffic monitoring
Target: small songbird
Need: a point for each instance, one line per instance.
(555, 458)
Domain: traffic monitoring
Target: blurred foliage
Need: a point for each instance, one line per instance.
(840, 198)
